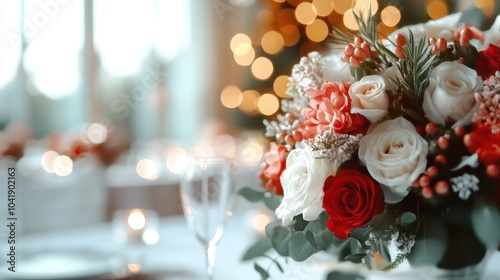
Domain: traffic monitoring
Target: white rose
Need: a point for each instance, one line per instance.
(450, 94)
(302, 182)
(391, 75)
(395, 155)
(441, 28)
(369, 98)
(336, 70)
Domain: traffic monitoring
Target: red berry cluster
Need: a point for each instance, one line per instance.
(357, 53)
(438, 45)
(430, 182)
(400, 41)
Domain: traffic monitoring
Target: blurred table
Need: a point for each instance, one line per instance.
(178, 255)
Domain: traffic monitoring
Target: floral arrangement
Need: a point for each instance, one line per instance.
(390, 142)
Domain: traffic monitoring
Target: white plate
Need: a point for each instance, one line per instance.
(57, 265)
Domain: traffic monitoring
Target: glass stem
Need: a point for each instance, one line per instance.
(211, 248)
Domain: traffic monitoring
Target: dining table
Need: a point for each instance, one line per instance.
(92, 252)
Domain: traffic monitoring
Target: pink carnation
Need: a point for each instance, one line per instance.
(330, 106)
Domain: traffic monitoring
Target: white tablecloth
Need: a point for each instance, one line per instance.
(179, 256)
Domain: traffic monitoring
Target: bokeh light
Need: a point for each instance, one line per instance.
(150, 236)
(350, 20)
(280, 86)
(342, 6)
(317, 31)
(62, 165)
(305, 13)
(291, 35)
(231, 96)
(136, 219)
(238, 39)
(437, 9)
(147, 169)
(323, 7)
(246, 59)
(252, 153)
(268, 104)
(390, 16)
(262, 68)
(97, 133)
(176, 159)
(48, 160)
(249, 101)
(272, 42)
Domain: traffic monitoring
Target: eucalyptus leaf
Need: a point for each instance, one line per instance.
(300, 248)
(280, 238)
(270, 227)
(258, 249)
(272, 201)
(485, 222)
(361, 234)
(322, 236)
(337, 275)
(430, 244)
(251, 194)
(407, 218)
(264, 275)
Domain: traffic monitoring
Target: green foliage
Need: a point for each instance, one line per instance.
(258, 249)
(272, 201)
(300, 247)
(263, 273)
(398, 260)
(337, 275)
(415, 70)
(280, 237)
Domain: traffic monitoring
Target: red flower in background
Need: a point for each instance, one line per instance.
(486, 144)
(488, 61)
(351, 200)
(273, 166)
(330, 106)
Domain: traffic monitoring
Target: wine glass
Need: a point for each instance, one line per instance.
(206, 192)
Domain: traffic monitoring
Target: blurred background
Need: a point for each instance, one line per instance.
(101, 101)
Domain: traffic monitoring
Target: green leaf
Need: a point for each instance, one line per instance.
(251, 194)
(258, 249)
(430, 244)
(408, 218)
(485, 218)
(310, 237)
(280, 238)
(355, 258)
(270, 227)
(300, 248)
(322, 236)
(272, 201)
(337, 275)
(264, 275)
(361, 234)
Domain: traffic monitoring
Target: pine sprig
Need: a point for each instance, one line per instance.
(400, 258)
(415, 70)
(368, 31)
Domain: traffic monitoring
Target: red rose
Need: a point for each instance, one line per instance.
(351, 200)
(488, 61)
(484, 143)
(330, 106)
(273, 166)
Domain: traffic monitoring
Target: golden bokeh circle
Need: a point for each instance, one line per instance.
(317, 31)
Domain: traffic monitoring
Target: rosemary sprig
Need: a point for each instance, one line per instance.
(400, 258)
(415, 70)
